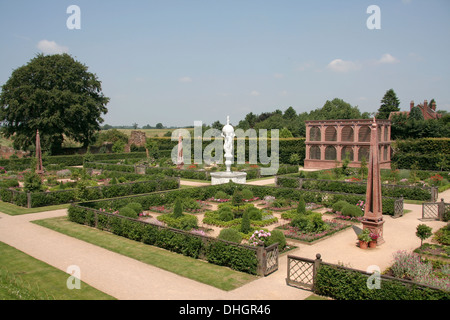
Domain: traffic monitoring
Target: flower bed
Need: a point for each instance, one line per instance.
(161, 209)
(296, 234)
(441, 251)
(218, 200)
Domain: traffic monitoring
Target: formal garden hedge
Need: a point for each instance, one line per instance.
(426, 153)
(287, 147)
(342, 283)
(202, 174)
(69, 160)
(41, 199)
(397, 191)
(238, 257)
(205, 193)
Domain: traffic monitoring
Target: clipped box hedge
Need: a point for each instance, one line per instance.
(70, 160)
(408, 192)
(42, 199)
(238, 257)
(344, 284)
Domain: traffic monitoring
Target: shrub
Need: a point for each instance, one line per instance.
(423, 232)
(351, 210)
(178, 209)
(337, 206)
(136, 206)
(225, 214)
(442, 236)
(221, 195)
(32, 182)
(245, 224)
(231, 235)
(301, 208)
(277, 236)
(237, 198)
(127, 212)
(247, 194)
(409, 265)
(311, 223)
(190, 204)
(254, 213)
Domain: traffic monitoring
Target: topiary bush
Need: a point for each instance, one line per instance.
(351, 210)
(301, 207)
(247, 194)
(245, 224)
(221, 195)
(127, 212)
(136, 206)
(231, 235)
(254, 213)
(225, 214)
(337, 206)
(178, 209)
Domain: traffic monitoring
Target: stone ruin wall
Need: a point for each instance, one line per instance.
(138, 138)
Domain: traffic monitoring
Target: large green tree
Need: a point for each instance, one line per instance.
(56, 95)
(389, 103)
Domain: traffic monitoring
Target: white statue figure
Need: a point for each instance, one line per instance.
(228, 134)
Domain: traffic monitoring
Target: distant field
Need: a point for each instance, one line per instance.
(148, 132)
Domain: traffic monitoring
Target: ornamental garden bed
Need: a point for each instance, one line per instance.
(434, 250)
(311, 237)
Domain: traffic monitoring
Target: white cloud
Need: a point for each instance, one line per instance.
(255, 93)
(387, 58)
(339, 65)
(278, 76)
(284, 93)
(185, 79)
(51, 47)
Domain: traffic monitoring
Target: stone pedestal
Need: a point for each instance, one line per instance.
(225, 177)
(375, 227)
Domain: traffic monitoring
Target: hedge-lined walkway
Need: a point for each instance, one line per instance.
(126, 278)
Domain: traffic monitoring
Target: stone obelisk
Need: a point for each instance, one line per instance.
(373, 210)
(39, 167)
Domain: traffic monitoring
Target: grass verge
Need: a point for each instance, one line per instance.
(13, 210)
(24, 277)
(220, 277)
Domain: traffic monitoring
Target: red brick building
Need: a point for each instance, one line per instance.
(329, 141)
(428, 110)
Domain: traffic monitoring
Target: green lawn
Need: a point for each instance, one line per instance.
(24, 277)
(14, 210)
(201, 271)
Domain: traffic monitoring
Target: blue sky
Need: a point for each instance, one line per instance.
(177, 62)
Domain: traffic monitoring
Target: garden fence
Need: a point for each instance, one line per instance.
(436, 210)
(303, 273)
